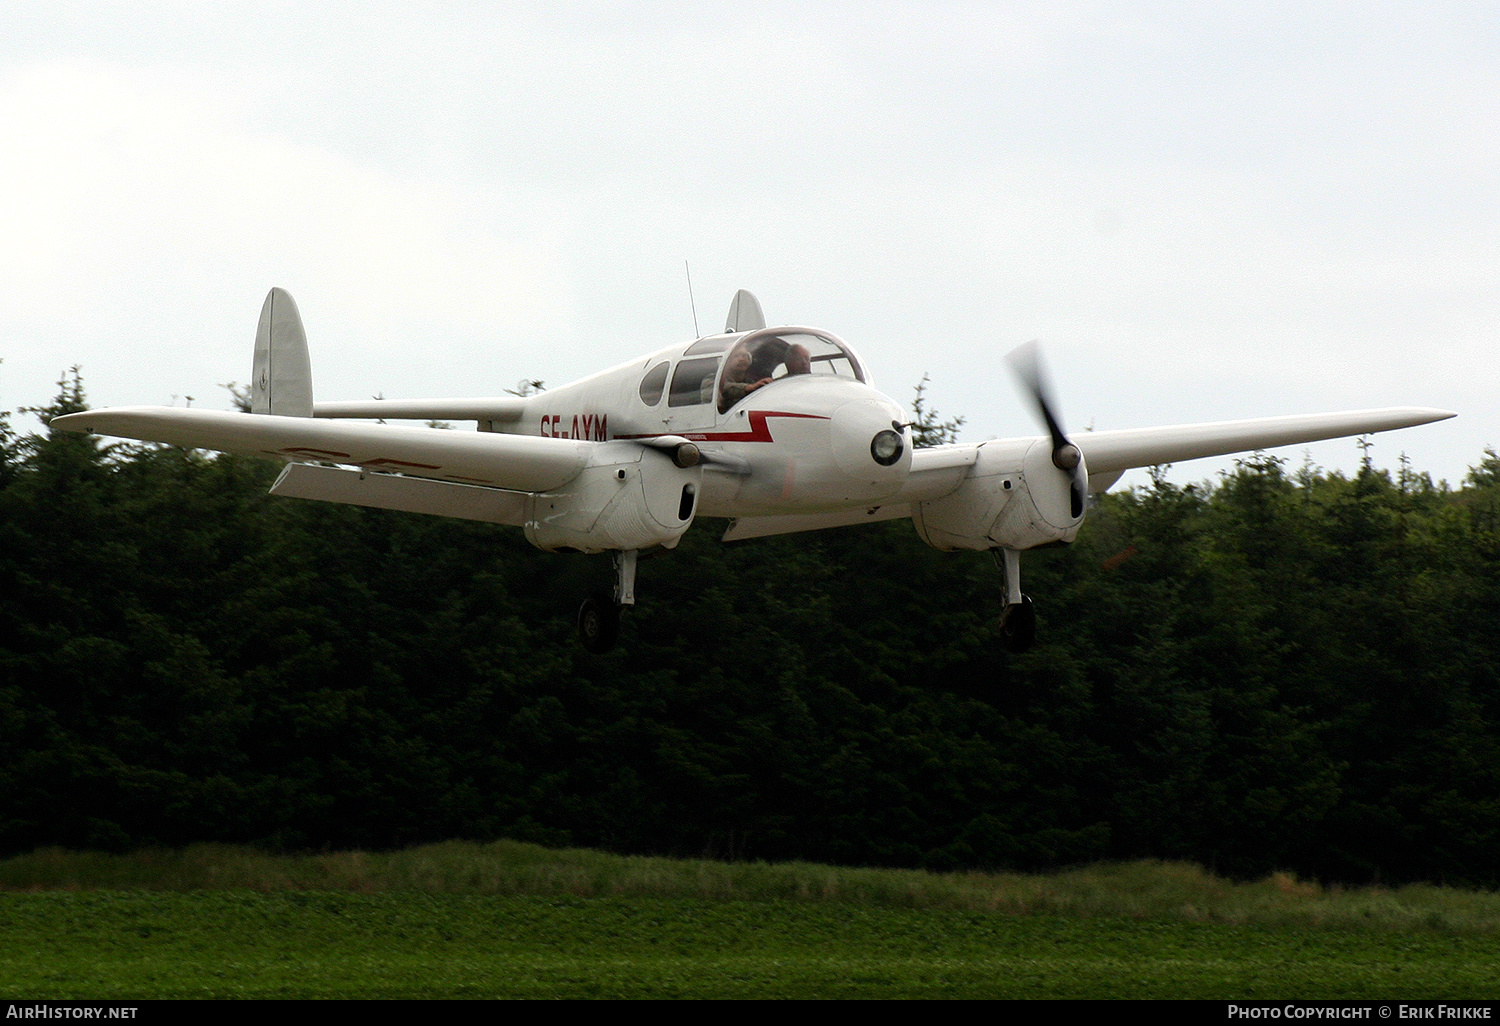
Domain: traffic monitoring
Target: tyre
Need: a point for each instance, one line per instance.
(598, 623)
(1018, 626)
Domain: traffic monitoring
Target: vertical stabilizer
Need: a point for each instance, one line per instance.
(281, 380)
(744, 313)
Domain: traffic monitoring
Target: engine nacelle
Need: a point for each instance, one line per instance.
(628, 497)
(1013, 498)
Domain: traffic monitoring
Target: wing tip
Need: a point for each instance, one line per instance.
(1420, 414)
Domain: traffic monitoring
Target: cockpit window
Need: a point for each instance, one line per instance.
(694, 382)
(710, 344)
(762, 358)
(653, 383)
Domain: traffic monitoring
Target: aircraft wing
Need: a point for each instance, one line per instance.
(528, 463)
(1112, 452)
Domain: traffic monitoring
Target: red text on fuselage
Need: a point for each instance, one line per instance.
(586, 428)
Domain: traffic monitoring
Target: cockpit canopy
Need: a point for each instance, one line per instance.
(755, 359)
(763, 357)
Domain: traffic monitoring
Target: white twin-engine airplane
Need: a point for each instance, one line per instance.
(778, 429)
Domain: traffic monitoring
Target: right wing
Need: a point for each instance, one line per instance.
(527, 463)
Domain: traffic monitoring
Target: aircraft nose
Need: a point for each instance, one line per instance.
(870, 440)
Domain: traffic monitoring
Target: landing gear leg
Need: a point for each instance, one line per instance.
(625, 577)
(599, 616)
(1018, 620)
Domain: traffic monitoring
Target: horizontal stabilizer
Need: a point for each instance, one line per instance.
(528, 463)
(503, 408)
(407, 494)
(1108, 451)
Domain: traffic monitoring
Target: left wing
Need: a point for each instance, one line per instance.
(939, 470)
(527, 463)
(1113, 452)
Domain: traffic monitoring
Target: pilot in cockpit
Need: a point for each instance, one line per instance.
(746, 370)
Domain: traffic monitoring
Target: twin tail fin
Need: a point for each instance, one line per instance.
(281, 380)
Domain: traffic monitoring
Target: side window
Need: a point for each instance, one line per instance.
(694, 382)
(653, 383)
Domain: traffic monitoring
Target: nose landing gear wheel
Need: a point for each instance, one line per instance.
(598, 623)
(1018, 626)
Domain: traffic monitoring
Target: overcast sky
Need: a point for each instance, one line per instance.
(1204, 211)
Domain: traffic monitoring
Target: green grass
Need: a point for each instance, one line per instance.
(514, 920)
(338, 944)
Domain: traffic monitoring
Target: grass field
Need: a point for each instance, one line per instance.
(512, 920)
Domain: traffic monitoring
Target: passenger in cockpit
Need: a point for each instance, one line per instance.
(745, 371)
(769, 355)
(739, 378)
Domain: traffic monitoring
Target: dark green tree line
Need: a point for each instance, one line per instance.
(1281, 671)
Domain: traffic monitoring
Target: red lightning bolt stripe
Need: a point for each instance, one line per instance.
(759, 431)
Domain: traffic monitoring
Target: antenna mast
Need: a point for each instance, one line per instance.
(691, 303)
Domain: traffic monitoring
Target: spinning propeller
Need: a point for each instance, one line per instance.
(1026, 361)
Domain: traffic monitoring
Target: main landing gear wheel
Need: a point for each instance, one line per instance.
(1018, 626)
(598, 623)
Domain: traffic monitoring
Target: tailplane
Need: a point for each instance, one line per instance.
(281, 381)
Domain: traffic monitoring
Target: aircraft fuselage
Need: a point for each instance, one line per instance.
(802, 443)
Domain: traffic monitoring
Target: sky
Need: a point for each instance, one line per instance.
(1204, 211)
